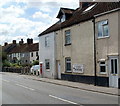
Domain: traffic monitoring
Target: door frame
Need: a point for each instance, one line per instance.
(112, 84)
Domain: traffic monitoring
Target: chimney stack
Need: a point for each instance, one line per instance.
(14, 41)
(29, 41)
(5, 44)
(21, 42)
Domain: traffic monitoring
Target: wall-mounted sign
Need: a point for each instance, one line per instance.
(78, 68)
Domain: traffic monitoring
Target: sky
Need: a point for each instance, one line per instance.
(22, 19)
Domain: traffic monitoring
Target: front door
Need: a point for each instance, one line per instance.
(58, 70)
(113, 72)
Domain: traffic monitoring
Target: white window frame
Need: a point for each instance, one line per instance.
(104, 66)
(67, 62)
(101, 24)
(66, 37)
(47, 41)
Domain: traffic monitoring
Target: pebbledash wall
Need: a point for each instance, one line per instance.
(48, 52)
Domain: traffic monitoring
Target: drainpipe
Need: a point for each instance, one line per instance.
(95, 69)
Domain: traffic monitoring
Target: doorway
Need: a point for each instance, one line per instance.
(113, 71)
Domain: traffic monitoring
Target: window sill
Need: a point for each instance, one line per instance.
(103, 73)
(47, 70)
(67, 44)
(68, 72)
(103, 37)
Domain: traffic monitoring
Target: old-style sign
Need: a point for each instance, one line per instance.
(78, 68)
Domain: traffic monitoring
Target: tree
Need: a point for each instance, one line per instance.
(4, 56)
(35, 62)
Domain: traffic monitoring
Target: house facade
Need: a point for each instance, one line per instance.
(107, 47)
(86, 44)
(47, 55)
(24, 53)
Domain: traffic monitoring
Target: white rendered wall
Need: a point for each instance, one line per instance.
(48, 53)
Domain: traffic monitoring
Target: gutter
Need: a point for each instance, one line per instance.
(114, 10)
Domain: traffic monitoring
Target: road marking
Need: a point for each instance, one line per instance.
(25, 87)
(62, 99)
(6, 80)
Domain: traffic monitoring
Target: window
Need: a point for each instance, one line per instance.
(67, 37)
(47, 63)
(102, 67)
(68, 64)
(102, 28)
(63, 18)
(36, 53)
(114, 66)
(26, 61)
(47, 41)
(89, 8)
(31, 54)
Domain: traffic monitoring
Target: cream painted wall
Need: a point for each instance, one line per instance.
(107, 46)
(119, 39)
(81, 50)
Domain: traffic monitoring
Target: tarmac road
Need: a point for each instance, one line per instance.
(17, 89)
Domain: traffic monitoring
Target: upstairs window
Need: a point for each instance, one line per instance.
(36, 53)
(31, 54)
(89, 8)
(63, 18)
(67, 37)
(47, 41)
(102, 29)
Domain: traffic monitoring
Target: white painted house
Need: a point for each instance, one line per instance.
(47, 55)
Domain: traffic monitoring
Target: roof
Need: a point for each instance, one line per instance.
(8, 47)
(25, 48)
(66, 11)
(80, 16)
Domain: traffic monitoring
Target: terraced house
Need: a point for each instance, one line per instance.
(83, 45)
(22, 53)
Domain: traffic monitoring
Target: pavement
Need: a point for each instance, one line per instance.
(88, 87)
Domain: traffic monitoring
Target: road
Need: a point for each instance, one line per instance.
(17, 89)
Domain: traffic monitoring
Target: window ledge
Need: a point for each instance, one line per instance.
(103, 37)
(103, 73)
(68, 72)
(47, 70)
(67, 44)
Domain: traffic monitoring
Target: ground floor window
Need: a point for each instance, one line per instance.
(47, 64)
(102, 67)
(68, 64)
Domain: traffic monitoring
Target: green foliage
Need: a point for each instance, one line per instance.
(4, 56)
(35, 62)
(6, 63)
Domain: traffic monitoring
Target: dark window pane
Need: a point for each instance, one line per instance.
(115, 66)
(68, 64)
(102, 68)
(102, 62)
(112, 67)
